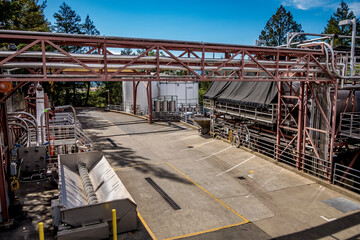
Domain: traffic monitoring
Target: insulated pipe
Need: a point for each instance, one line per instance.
(305, 41)
(295, 34)
(59, 107)
(34, 123)
(327, 46)
(22, 126)
(27, 128)
(88, 187)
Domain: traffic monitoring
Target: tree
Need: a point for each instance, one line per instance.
(89, 28)
(342, 12)
(67, 21)
(276, 29)
(23, 15)
(127, 51)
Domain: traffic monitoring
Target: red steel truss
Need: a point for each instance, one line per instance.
(42, 58)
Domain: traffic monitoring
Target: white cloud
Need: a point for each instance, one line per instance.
(355, 7)
(307, 4)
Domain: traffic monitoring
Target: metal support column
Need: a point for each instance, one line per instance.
(135, 86)
(278, 136)
(300, 125)
(4, 159)
(149, 99)
(333, 129)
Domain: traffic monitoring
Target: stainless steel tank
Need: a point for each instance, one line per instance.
(172, 106)
(157, 105)
(197, 108)
(165, 105)
(189, 109)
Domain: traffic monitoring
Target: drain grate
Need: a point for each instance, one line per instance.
(241, 178)
(168, 199)
(112, 142)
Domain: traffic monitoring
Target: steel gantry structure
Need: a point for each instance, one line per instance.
(48, 57)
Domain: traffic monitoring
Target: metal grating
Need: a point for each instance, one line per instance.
(162, 193)
(342, 204)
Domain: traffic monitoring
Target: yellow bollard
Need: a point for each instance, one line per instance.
(114, 224)
(41, 231)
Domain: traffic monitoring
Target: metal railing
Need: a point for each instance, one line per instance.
(350, 124)
(347, 177)
(116, 107)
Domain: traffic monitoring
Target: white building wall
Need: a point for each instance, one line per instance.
(187, 93)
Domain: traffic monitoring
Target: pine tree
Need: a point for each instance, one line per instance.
(276, 29)
(67, 21)
(342, 12)
(127, 51)
(23, 15)
(88, 27)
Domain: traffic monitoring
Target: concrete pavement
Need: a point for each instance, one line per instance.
(223, 192)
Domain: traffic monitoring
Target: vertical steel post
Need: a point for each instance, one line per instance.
(43, 58)
(352, 56)
(300, 125)
(134, 96)
(278, 120)
(332, 140)
(305, 124)
(278, 135)
(149, 98)
(3, 164)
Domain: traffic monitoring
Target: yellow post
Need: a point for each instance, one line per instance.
(41, 231)
(114, 224)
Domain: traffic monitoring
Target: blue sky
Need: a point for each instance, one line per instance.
(226, 21)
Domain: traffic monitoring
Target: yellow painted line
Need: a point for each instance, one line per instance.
(196, 233)
(228, 207)
(146, 226)
(206, 231)
(251, 171)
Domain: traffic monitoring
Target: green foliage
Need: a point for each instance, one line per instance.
(276, 29)
(127, 51)
(23, 15)
(342, 12)
(203, 87)
(115, 89)
(66, 20)
(88, 27)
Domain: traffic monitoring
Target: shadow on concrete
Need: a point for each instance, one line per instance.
(326, 229)
(120, 156)
(33, 205)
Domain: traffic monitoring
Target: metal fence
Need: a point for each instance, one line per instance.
(116, 107)
(347, 177)
(350, 124)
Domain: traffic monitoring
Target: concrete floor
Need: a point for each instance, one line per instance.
(223, 192)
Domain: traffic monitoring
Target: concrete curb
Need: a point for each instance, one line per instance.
(129, 114)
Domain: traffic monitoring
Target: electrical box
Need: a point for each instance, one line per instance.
(33, 158)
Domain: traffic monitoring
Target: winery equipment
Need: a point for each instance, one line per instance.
(88, 191)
